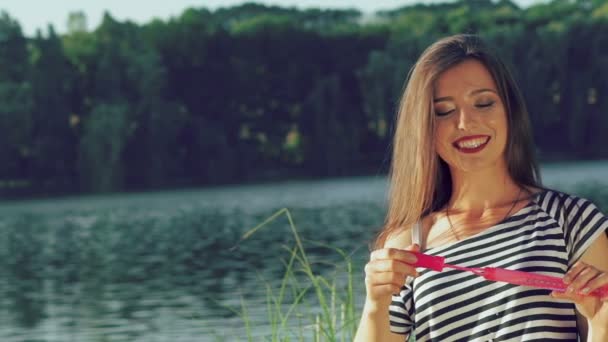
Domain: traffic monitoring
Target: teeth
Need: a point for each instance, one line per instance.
(472, 143)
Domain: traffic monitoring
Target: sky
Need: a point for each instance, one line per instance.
(33, 14)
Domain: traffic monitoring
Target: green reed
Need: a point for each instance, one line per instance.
(329, 316)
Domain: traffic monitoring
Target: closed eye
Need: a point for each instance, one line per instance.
(438, 113)
(479, 105)
(486, 104)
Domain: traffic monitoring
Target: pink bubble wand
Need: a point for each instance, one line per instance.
(437, 263)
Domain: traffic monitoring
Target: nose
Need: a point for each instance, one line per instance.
(465, 119)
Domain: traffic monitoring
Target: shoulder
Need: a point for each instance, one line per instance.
(553, 201)
(567, 208)
(548, 194)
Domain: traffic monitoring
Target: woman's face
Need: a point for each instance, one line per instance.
(471, 121)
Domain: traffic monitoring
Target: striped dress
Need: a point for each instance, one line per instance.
(547, 236)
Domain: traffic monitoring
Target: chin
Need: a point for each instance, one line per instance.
(474, 166)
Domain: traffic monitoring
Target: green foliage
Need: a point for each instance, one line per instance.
(16, 125)
(262, 24)
(13, 50)
(16, 100)
(255, 92)
(104, 138)
(54, 148)
(601, 12)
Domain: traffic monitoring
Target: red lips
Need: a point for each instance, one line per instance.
(471, 149)
(469, 137)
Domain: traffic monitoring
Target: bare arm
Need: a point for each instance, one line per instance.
(596, 256)
(385, 274)
(590, 271)
(374, 326)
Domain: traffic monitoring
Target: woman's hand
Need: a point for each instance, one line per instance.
(583, 279)
(385, 274)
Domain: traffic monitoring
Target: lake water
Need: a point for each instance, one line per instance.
(167, 266)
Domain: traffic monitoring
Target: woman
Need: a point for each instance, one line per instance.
(465, 186)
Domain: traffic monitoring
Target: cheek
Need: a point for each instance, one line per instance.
(442, 140)
(501, 127)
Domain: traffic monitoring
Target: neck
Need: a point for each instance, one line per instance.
(476, 191)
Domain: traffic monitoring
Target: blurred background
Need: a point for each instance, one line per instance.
(140, 141)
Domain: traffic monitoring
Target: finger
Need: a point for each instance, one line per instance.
(393, 253)
(390, 266)
(582, 278)
(413, 248)
(569, 296)
(595, 283)
(573, 272)
(385, 278)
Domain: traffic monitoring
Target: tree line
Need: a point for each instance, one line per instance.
(256, 92)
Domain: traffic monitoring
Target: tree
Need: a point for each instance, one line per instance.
(106, 131)
(15, 101)
(53, 140)
(77, 22)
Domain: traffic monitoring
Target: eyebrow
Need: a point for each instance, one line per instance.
(474, 92)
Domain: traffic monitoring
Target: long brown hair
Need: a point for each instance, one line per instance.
(420, 181)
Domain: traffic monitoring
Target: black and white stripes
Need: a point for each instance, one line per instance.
(547, 236)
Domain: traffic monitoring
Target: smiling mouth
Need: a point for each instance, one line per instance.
(471, 144)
